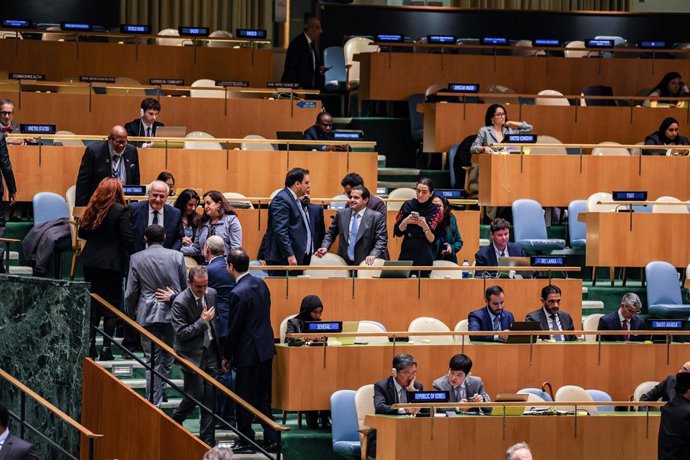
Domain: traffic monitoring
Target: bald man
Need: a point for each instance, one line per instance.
(113, 157)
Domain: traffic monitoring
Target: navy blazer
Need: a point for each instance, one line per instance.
(172, 223)
(135, 128)
(95, 166)
(486, 256)
(611, 322)
(315, 134)
(299, 64)
(385, 396)
(479, 320)
(250, 335)
(286, 234)
(318, 225)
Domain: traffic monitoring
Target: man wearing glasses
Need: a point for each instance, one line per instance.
(322, 130)
(7, 125)
(624, 319)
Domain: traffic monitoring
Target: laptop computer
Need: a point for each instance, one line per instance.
(396, 273)
(514, 262)
(523, 326)
(170, 131)
(512, 410)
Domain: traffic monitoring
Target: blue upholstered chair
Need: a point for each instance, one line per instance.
(338, 204)
(530, 228)
(537, 392)
(598, 395)
(345, 427)
(334, 57)
(257, 273)
(49, 206)
(577, 230)
(663, 291)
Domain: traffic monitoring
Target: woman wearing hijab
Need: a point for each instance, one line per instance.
(667, 134)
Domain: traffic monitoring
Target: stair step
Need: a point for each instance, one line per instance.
(137, 384)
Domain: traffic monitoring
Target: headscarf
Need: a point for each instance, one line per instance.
(309, 304)
(661, 133)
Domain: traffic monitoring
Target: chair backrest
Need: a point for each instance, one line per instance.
(579, 53)
(576, 229)
(461, 326)
(195, 145)
(539, 393)
(338, 204)
(283, 327)
(190, 262)
(643, 388)
(53, 37)
(403, 193)
(344, 417)
(71, 198)
(49, 206)
(257, 273)
(370, 273)
(354, 46)
(428, 324)
(274, 193)
(503, 95)
(603, 149)
(617, 40)
(575, 393)
(536, 150)
(364, 404)
(371, 326)
(591, 323)
(594, 198)
(68, 142)
(169, 41)
(598, 395)
(452, 152)
(207, 93)
(560, 101)
(636, 151)
(672, 209)
(334, 57)
(524, 48)
(328, 259)
(528, 220)
(446, 274)
(255, 145)
(220, 43)
(663, 286)
(237, 197)
(127, 82)
(434, 88)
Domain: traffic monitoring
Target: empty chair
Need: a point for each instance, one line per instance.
(208, 93)
(127, 87)
(53, 37)
(371, 326)
(77, 243)
(669, 209)
(571, 52)
(356, 45)
(663, 291)
(403, 193)
(461, 326)
(256, 145)
(334, 60)
(610, 149)
(591, 323)
(328, 259)
(524, 48)
(595, 198)
(220, 43)
(562, 101)
(577, 230)
(345, 427)
(364, 405)
(370, 273)
(169, 41)
(68, 142)
(635, 151)
(49, 206)
(598, 395)
(338, 204)
(502, 95)
(201, 145)
(234, 197)
(536, 150)
(428, 324)
(257, 273)
(77, 87)
(575, 393)
(530, 228)
(597, 90)
(643, 388)
(541, 394)
(446, 274)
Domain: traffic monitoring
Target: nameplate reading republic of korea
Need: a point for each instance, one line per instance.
(429, 396)
(96, 79)
(166, 81)
(26, 76)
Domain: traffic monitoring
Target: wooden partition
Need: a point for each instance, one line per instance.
(250, 172)
(396, 302)
(616, 368)
(132, 428)
(97, 114)
(381, 74)
(58, 60)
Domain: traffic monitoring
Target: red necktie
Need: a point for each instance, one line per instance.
(626, 328)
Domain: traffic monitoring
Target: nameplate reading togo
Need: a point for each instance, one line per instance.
(629, 195)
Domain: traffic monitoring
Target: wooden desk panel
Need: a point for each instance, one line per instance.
(504, 368)
(466, 437)
(556, 180)
(396, 302)
(635, 239)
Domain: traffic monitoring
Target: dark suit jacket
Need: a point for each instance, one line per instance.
(540, 317)
(318, 226)
(315, 134)
(172, 223)
(286, 234)
(109, 246)
(135, 128)
(664, 390)
(220, 280)
(299, 64)
(372, 238)
(479, 320)
(15, 448)
(95, 166)
(250, 336)
(377, 204)
(385, 396)
(674, 430)
(610, 322)
(189, 327)
(473, 385)
(486, 256)
(6, 169)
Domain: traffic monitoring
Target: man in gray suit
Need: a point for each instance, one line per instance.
(150, 270)
(195, 339)
(550, 316)
(462, 386)
(361, 231)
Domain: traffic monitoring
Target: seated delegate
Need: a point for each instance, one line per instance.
(550, 317)
(499, 232)
(322, 130)
(667, 134)
(671, 85)
(624, 319)
(496, 127)
(461, 386)
(491, 317)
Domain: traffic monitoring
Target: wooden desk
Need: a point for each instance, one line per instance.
(304, 380)
(397, 76)
(614, 436)
(58, 60)
(82, 114)
(250, 172)
(556, 180)
(446, 124)
(634, 239)
(396, 302)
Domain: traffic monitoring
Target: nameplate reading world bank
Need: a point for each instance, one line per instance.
(324, 326)
(463, 87)
(33, 128)
(96, 79)
(27, 76)
(193, 31)
(280, 84)
(251, 33)
(429, 396)
(144, 29)
(166, 81)
(16, 23)
(234, 83)
(306, 104)
(521, 138)
(599, 43)
(75, 26)
(629, 195)
(652, 44)
(442, 39)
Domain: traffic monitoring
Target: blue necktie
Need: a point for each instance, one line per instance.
(353, 237)
(497, 323)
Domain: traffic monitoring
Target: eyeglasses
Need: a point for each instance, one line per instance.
(7, 114)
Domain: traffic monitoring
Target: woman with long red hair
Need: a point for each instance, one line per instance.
(108, 233)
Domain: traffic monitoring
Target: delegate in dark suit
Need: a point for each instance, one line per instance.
(220, 280)
(192, 341)
(540, 317)
(611, 322)
(6, 173)
(303, 64)
(286, 234)
(96, 165)
(249, 348)
(385, 396)
(473, 385)
(135, 128)
(664, 390)
(480, 320)
(486, 256)
(674, 430)
(15, 448)
(372, 238)
(172, 224)
(316, 220)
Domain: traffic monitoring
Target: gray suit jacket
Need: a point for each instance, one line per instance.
(150, 269)
(372, 237)
(472, 385)
(540, 317)
(189, 327)
(15, 448)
